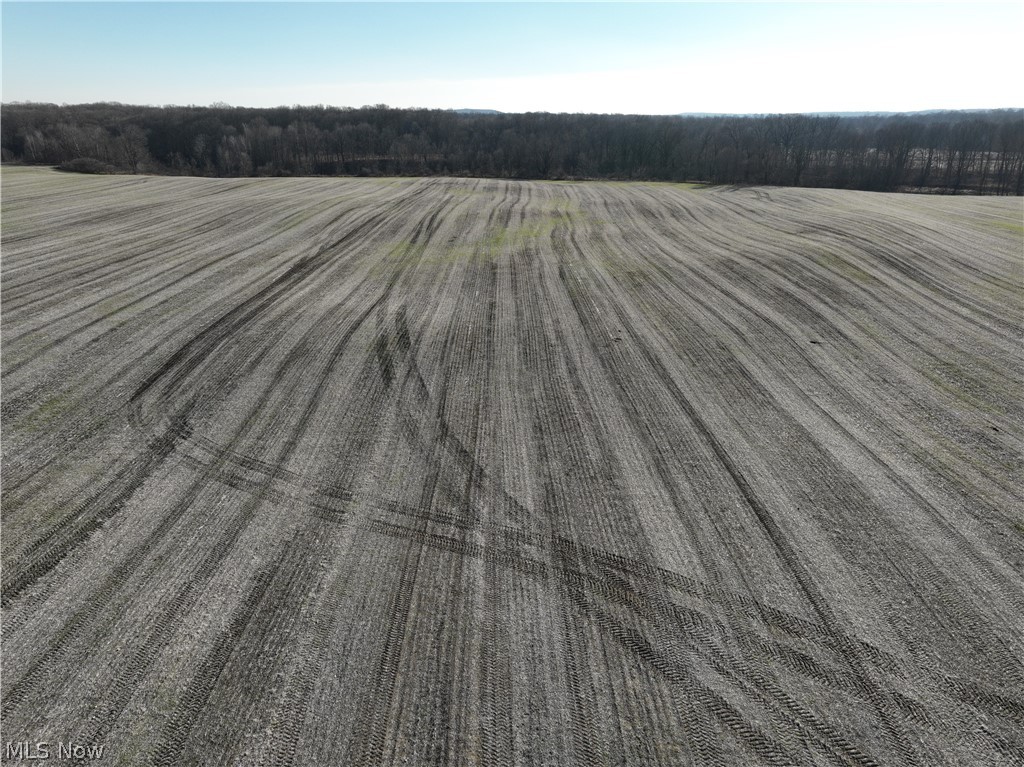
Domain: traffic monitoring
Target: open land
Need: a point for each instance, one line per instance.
(453, 471)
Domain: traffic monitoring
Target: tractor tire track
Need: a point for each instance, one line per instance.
(464, 471)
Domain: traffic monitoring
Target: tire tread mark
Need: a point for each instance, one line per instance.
(174, 733)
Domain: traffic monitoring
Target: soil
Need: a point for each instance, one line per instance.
(454, 472)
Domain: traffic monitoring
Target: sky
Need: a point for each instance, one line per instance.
(643, 58)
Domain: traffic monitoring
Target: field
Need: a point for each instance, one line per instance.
(474, 472)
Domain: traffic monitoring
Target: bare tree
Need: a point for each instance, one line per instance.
(133, 147)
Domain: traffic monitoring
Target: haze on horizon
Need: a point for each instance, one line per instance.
(662, 58)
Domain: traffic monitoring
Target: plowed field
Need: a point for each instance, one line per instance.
(474, 472)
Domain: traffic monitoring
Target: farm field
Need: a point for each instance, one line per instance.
(476, 472)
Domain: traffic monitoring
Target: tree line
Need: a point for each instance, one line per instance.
(951, 152)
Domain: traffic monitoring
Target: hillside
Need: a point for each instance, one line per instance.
(461, 471)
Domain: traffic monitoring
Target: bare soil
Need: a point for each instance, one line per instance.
(463, 472)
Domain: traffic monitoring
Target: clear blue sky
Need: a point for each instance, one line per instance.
(658, 58)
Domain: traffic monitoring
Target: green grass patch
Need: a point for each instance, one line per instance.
(842, 266)
(690, 186)
(498, 239)
(111, 306)
(956, 382)
(1010, 226)
(49, 411)
(405, 254)
(26, 347)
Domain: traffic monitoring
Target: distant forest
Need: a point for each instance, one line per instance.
(949, 152)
